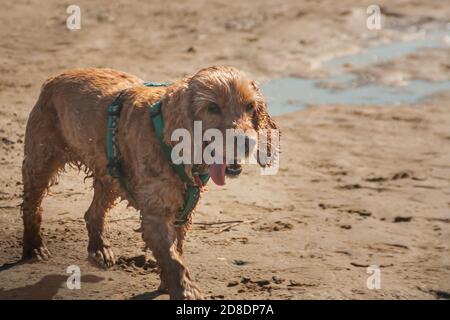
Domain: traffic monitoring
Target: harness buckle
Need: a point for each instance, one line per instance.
(114, 109)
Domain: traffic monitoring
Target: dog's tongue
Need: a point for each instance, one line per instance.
(217, 173)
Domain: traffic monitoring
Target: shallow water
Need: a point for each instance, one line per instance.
(290, 94)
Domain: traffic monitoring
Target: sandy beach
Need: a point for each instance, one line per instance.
(358, 185)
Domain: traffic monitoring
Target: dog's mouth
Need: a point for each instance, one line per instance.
(218, 172)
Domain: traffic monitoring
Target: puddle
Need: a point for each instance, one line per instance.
(289, 94)
(386, 52)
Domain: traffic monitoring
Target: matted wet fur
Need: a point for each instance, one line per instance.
(68, 125)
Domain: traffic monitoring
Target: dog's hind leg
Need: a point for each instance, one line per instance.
(37, 175)
(99, 248)
(43, 158)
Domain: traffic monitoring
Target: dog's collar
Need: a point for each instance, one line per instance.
(194, 184)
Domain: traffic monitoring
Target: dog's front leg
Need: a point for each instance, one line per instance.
(160, 236)
(181, 234)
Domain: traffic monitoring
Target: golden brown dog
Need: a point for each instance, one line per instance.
(69, 124)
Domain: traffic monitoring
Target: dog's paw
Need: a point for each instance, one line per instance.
(191, 292)
(35, 253)
(103, 257)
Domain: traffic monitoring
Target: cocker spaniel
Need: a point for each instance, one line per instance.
(69, 124)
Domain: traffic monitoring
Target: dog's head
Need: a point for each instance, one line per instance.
(228, 106)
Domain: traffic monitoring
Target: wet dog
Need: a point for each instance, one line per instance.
(68, 125)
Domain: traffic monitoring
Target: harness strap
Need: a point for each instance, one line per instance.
(194, 184)
(112, 149)
(158, 124)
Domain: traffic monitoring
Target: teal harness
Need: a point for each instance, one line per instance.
(194, 185)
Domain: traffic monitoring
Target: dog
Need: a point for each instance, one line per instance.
(69, 124)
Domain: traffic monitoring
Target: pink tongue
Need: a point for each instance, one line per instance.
(217, 173)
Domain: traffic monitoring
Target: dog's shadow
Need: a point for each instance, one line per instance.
(148, 295)
(48, 286)
(44, 289)
(7, 266)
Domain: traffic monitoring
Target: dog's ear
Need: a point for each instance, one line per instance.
(268, 132)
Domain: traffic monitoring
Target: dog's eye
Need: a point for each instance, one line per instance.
(214, 108)
(249, 108)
